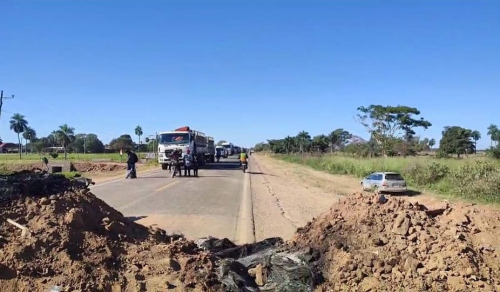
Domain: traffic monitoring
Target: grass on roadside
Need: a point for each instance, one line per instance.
(476, 180)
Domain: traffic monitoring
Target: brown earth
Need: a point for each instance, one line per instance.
(77, 166)
(372, 243)
(78, 242)
(98, 167)
(362, 243)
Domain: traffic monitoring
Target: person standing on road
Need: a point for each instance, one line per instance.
(218, 154)
(195, 166)
(188, 163)
(175, 161)
(131, 161)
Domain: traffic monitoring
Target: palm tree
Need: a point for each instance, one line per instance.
(289, 144)
(29, 134)
(303, 139)
(65, 135)
(18, 124)
(476, 135)
(493, 133)
(138, 132)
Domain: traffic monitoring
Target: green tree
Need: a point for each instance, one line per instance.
(385, 123)
(494, 133)
(29, 134)
(456, 140)
(290, 144)
(338, 138)
(432, 142)
(138, 133)
(303, 140)
(476, 135)
(261, 147)
(320, 143)
(87, 143)
(124, 142)
(65, 136)
(38, 146)
(18, 124)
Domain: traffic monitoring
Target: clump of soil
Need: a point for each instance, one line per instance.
(78, 242)
(372, 243)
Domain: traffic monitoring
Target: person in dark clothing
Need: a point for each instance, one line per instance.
(188, 163)
(195, 166)
(176, 161)
(131, 161)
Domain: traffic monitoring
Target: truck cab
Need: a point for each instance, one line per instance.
(182, 139)
(229, 148)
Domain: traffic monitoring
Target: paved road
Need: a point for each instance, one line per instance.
(195, 206)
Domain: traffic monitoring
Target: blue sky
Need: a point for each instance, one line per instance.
(246, 71)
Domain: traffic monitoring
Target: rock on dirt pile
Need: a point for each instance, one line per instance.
(366, 243)
(78, 242)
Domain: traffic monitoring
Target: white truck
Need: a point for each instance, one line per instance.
(210, 154)
(229, 148)
(184, 139)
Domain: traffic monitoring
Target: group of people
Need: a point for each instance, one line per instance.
(189, 162)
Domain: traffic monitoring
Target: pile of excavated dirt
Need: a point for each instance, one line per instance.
(98, 167)
(372, 243)
(78, 242)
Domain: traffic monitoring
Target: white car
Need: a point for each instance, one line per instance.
(390, 182)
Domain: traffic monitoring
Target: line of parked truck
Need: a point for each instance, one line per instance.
(197, 143)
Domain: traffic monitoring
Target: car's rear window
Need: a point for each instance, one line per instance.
(393, 176)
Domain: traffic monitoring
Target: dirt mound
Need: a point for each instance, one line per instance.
(13, 167)
(372, 243)
(78, 242)
(98, 167)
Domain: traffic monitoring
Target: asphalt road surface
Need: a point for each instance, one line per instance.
(194, 206)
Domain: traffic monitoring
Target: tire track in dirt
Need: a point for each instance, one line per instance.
(283, 212)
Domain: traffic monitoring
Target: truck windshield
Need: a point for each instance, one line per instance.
(227, 146)
(174, 138)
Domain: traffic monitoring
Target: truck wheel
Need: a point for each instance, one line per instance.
(164, 166)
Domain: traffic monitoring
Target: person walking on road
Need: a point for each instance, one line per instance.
(188, 163)
(131, 161)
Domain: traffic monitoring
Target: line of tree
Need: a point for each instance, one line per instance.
(392, 132)
(64, 137)
(303, 142)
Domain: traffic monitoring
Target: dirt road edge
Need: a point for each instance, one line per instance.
(245, 230)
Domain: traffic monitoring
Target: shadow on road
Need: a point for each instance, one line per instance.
(222, 166)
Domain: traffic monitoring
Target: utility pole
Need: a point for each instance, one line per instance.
(1, 100)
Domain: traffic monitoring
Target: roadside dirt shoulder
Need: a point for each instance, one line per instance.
(282, 201)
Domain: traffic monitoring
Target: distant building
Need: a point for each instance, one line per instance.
(9, 148)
